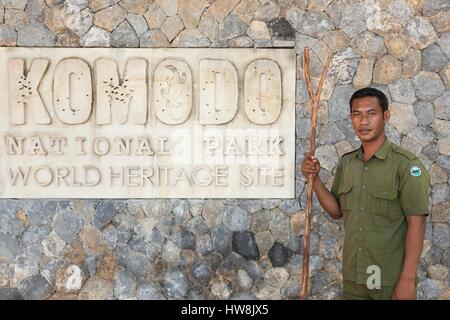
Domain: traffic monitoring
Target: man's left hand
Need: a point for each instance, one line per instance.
(405, 289)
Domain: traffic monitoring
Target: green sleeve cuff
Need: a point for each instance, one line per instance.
(416, 211)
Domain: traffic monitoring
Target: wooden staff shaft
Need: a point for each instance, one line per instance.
(314, 97)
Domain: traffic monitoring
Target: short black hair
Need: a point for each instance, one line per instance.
(371, 92)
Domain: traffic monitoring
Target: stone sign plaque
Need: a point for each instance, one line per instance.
(147, 123)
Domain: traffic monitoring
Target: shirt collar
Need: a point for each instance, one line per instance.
(381, 152)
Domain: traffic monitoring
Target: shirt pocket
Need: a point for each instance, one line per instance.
(383, 199)
(344, 196)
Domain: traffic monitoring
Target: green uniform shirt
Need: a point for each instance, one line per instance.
(375, 197)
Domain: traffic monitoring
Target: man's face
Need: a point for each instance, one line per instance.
(368, 118)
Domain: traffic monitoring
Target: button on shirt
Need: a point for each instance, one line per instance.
(376, 197)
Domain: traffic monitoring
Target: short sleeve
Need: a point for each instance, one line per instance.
(414, 189)
(337, 179)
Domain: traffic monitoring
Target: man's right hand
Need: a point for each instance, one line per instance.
(310, 166)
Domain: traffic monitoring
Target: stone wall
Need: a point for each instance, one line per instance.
(235, 249)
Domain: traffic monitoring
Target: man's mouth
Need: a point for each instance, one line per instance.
(364, 131)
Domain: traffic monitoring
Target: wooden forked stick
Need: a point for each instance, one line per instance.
(314, 98)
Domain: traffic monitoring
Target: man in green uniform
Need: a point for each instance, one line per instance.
(381, 190)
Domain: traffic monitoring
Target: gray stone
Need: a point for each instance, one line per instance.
(402, 91)
(271, 203)
(10, 294)
(302, 127)
(315, 24)
(149, 291)
(343, 66)
(432, 288)
(279, 226)
(213, 212)
(244, 244)
(202, 273)
(243, 280)
(231, 27)
(330, 134)
(198, 226)
(251, 206)
(439, 193)
(346, 127)
(104, 214)
(133, 261)
(79, 22)
(444, 44)
(8, 36)
(434, 255)
(254, 270)
(49, 267)
(428, 86)
(279, 254)
(260, 221)
(442, 106)
(354, 17)
(204, 245)
(35, 35)
(95, 37)
(191, 39)
(327, 156)
(67, 224)
(35, 288)
(420, 32)
(433, 59)
(171, 254)
(236, 218)
(280, 29)
(220, 288)
(138, 23)
(186, 239)
(295, 17)
(124, 285)
(368, 45)
(222, 240)
(175, 284)
(124, 36)
(431, 7)
(181, 212)
(444, 162)
(441, 235)
(424, 112)
(290, 206)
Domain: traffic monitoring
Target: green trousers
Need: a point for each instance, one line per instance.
(354, 291)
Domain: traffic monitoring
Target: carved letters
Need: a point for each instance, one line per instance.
(147, 123)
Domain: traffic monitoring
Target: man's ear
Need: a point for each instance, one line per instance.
(386, 116)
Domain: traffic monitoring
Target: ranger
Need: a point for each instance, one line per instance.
(382, 192)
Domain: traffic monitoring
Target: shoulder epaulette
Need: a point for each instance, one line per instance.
(406, 153)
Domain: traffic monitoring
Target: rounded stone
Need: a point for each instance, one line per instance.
(35, 35)
(368, 45)
(428, 86)
(420, 32)
(387, 69)
(236, 218)
(175, 284)
(244, 244)
(279, 254)
(433, 59)
(149, 291)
